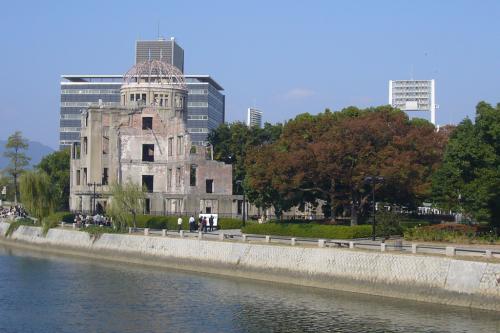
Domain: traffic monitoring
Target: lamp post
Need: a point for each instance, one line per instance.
(240, 183)
(373, 180)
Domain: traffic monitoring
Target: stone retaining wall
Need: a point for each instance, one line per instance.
(426, 278)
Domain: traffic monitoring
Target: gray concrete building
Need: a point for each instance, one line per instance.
(145, 140)
(161, 49)
(254, 117)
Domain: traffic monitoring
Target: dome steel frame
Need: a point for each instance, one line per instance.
(155, 72)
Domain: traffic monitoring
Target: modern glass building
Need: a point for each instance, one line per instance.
(206, 106)
(77, 93)
(161, 49)
(206, 103)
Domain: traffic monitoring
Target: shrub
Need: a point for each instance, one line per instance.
(447, 232)
(388, 224)
(230, 223)
(309, 230)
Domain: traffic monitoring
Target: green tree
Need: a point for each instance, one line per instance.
(17, 158)
(232, 141)
(56, 165)
(37, 195)
(469, 178)
(126, 203)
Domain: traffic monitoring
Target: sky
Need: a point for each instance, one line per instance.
(284, 57)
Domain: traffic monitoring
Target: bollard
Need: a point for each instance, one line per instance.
(244, 237)
(268, 239)
(129, 230)
(74, 225)
(62, 224)
(351, 245)
(488, 254)
(221, 236)
(292, 241)
(146, 231)
(382, 247)
(321, 242)
(164, 232)
(181, 233)
(450, 251)
(414, 248)
(200, 235)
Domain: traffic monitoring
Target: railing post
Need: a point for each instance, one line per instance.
(146, 231)
(200, 235)
(450, 251)
(488, 253)
(321, 242)
(414, 248)
(382, 247)
(74, 225)
(181, 233)
(221, 236)
(292, 241)
(62, 224)
(268, 239)
(244, 237)
(129, 230)
(164, 232)
(351, 245)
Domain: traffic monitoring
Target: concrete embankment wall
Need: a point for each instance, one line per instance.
(416, 277)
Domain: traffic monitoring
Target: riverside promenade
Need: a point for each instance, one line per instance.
(469, 282)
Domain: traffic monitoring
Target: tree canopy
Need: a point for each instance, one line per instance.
(56, 166)
(127, 201)
(18, 160)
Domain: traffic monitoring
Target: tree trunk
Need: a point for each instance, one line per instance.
(354, 214)
(15, 189)
(133, 214)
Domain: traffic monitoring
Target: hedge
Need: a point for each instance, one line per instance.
(309, 230)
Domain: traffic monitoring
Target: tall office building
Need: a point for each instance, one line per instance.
(254, 117)
(205, 105)
(77, 93)
(161, 49)
(414, 97)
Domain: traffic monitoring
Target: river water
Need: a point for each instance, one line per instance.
(44, 293)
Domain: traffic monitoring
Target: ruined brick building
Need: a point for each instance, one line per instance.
(145, 141)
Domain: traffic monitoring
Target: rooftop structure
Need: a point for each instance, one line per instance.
(161, 49)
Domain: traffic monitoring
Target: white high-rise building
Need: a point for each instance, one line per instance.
(414, 96)
(254, 117)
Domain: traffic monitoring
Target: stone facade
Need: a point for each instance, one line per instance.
(145, 141)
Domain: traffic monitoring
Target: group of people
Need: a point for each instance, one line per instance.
(82, 220)
(13, 212)
(204, 224)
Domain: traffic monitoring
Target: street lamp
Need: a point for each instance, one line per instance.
(240, 183)
(93, 201)
(373, 180)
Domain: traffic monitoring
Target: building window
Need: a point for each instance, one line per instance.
(148, 153)
(180, 144)
(169, 179)
(105, 176)
(147, 206)
(78, 177)
(210, 185)
(147, 183)
(192, 175)
(105, 145)
(170, 146)
(240, 207)
(85, 142)
(178, 177)
(84, 176)
(147, 123)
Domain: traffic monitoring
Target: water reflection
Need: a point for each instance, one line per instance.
(47, 294)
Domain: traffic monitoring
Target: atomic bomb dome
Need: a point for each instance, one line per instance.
(155, 72)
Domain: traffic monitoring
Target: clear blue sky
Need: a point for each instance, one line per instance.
(285, 57)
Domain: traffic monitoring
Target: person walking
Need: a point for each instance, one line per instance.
(179, 224)
(211, 223)
(191, 224)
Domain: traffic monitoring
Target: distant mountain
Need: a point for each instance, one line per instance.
(36, 151)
